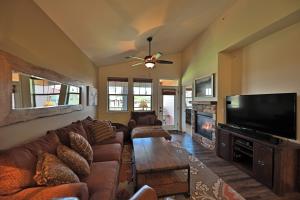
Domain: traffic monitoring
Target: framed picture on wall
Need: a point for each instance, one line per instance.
(92, 96)
(204, 86)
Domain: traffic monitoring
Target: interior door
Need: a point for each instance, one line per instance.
(168, 107)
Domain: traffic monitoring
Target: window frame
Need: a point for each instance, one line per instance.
(68, 94)
(117, 79)
(34, 94)
(186, 98)
(141, 80)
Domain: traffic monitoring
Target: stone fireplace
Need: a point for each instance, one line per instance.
(204, 123)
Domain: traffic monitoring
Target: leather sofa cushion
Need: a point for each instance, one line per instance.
(107, 152)
(79, 190)
(137, 115)
(103, 180)
(119, 138)
(63, 133)
(146, 120)
(17, 165)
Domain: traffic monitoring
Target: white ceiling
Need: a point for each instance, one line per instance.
(108, 30)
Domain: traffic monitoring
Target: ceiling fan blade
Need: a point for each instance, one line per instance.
(134, 57)
(157, 55)
(136, 64)
(164, 62)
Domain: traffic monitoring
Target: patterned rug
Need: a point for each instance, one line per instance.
(205, 184)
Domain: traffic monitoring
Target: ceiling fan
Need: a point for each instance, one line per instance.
(150, 60)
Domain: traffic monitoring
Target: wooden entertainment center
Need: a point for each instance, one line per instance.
(271, 161)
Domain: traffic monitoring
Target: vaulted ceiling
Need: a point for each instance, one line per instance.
(108, 30)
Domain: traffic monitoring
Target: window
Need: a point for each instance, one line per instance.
(188, 97)
(117, 94)
(142, 94)
(44, 92)
(73, 97)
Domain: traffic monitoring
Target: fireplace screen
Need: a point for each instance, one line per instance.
(205, 125)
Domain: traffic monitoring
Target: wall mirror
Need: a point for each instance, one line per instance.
(204, 87)
(29, 91)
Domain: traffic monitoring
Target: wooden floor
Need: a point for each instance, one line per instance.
(248, 187)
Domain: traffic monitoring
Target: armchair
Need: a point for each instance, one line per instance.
(147, 118)
(145, 193)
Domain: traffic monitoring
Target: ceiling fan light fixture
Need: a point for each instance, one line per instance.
(149, 64)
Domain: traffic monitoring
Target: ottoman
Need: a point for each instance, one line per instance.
(150, 131)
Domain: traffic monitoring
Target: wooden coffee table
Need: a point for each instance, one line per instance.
(159, 164)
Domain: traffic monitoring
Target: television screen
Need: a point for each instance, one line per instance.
(270, 113)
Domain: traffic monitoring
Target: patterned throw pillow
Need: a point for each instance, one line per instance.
(81, 146)
(51, 171)
(86, 123)
(102, 130)
(73, 160)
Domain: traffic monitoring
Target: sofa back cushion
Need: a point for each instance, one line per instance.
(17, 165)
(146, 120)
(63, 133)
(137, 115)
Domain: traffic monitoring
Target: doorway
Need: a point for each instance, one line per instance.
(169, 107)
(187, 97)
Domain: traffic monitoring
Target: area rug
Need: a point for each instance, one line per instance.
(205, 184)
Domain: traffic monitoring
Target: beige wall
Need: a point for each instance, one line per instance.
(125, 70)
(243, 19)
(272, 65)
(27, 32)
(216, 50)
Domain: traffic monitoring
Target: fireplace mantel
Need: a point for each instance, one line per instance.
(204, 102)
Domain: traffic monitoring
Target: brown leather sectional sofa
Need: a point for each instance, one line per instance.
(17, 168)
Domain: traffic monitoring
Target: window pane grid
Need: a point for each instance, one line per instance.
(117, 95)
(142, 99)
(188, 98)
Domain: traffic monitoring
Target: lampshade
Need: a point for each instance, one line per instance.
(149, 64)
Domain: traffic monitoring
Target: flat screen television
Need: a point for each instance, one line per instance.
(267, 113)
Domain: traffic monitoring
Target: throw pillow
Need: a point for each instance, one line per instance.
(81, 146)
(73, 160)
(102, 130)
(86, 123)
(51, 171)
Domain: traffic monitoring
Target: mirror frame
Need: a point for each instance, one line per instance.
(9, 63)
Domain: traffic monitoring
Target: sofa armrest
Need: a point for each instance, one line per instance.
(145, 193)
(79, 190)
(131, 124)
(158, 122)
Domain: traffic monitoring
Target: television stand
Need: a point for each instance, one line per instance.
(273, 163)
